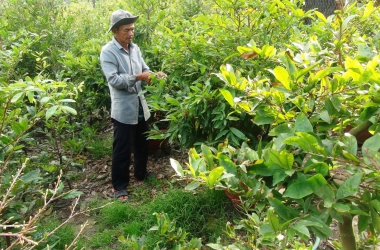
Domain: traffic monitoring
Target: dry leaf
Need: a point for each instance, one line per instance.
(249, 55)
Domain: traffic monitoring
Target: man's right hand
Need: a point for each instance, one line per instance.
(144, 76)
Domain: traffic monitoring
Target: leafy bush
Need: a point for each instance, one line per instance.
(311, 172)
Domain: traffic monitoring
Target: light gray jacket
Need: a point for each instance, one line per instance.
(120, 69)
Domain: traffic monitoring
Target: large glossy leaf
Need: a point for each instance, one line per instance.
(375, 219)
(72, 194)
(283, 76)
(363, 222)
(193, 185)
(303, 124)
(290, 66)
(227, 95)
(69, 109)
(177, 167)
(214, 176)
(30, 176)
(51, 111)
(238, 133)
(227, 163)
(262, 120)
(283, 128)
(273, 221)
(298, 190)
(282, 159)
(17, 97)
(349, 186)
(306, 142)
(301, 229)
(370, 150)
(321, 188)
(368, 112)
(280, 209)
(207, 154)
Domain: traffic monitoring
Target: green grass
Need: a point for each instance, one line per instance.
(203, 215)
(100, 147)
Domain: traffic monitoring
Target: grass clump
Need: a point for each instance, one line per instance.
(100, 147)
(203, 215)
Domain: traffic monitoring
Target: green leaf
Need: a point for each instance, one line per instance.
(282, 159)
(320, 16)
(350, 143)
(326, 71)
(177, 167)
(63, 100)
(227, 164)
(368, 10)
(298, 190)
(238, 133)
(214, 176)
(31, 96)
(262, 120)
(321, 188)
(31, 176)
(370, 150)
(281, 129)
(302, 229)
(283, 76)
(368, 112)
(376, 204)
(227, 95)
(72, 194)
(221, 134)
(290, 66)
(330, 107)
(17, 128)
(363, 222)
(193, 185)
(341, 208)
(274, 222)
(303, 124)
(324, 115)
(280, 209)
(172, 101)
(375, 219)
(336, 102)
(17, 97)
(306, 142)
(319, 165)
(69, 109)
(51, 111)
(208, 155)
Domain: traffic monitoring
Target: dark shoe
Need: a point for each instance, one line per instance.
(120, 195)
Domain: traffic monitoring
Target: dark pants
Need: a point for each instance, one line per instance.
(129, 137)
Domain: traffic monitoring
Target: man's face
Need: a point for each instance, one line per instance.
(125, 33)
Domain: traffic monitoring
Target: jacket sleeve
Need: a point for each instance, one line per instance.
(109, 64)
(144, 67)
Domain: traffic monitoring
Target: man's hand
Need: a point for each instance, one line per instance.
(144, 76)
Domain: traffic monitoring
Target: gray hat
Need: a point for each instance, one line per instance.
(121, 17)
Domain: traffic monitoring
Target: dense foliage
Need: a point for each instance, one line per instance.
(248, 73)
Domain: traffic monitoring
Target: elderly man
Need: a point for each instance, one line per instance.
(126, 73)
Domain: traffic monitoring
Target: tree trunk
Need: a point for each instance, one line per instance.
(347, 235)
(326, 7)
